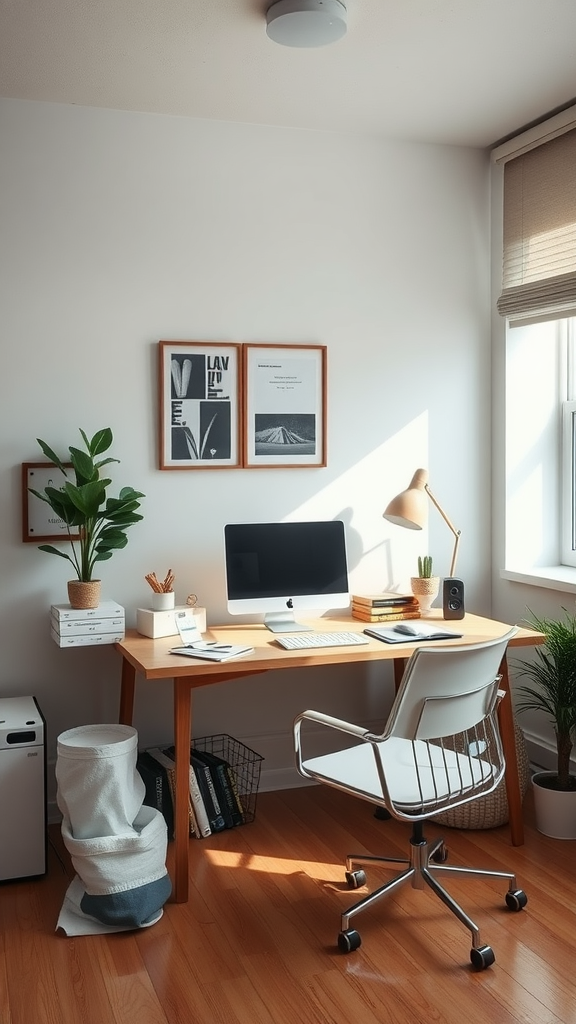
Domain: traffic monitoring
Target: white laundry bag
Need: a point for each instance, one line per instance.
(116, 843)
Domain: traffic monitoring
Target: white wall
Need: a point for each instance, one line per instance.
(122, 229)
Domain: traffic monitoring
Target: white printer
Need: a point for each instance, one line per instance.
(22, 788)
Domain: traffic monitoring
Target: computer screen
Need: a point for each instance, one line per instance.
(275, 569)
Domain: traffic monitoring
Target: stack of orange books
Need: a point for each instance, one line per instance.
(384, 607)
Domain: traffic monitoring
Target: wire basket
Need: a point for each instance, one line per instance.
(490, 811)
(245, 763)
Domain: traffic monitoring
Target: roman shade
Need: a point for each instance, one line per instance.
(539, 259)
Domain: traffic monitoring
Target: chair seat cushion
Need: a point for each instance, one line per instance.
(419, 775)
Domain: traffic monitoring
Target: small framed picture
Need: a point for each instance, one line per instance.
(199, 406)
(284, 406)
(39, 522)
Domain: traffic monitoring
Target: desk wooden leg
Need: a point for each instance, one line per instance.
(127, 693)
(506, 722)
(399, 666)
(182, 734)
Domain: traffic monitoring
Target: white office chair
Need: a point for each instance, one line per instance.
(440, 748)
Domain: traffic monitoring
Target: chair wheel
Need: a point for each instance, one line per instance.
(440, 855)
(516, 899)
(356, 879)
(349, 940)
(482, 957)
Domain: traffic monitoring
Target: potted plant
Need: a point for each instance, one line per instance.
(553, 690)
(425, 585)
(96, 523)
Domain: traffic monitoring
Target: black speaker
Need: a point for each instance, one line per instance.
(453, 598)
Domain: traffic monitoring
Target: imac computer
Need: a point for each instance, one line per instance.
(279, 568)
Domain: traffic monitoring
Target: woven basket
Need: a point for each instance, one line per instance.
(491, 810)
(82, 595)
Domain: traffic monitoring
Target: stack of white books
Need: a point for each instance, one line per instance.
(73, 627)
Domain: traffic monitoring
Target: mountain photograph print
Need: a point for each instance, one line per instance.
(284, 436)
(285, 406)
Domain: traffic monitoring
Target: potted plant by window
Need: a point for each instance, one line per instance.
(553, 690)
(425, 586)
(98, 521)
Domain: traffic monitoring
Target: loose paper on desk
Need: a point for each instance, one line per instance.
(212, 651)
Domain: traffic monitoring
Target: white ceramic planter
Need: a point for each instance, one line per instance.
(555, 810)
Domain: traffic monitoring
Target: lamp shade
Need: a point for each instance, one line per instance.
(306, 23)
(410, 508)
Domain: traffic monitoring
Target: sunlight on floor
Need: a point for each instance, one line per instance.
(274, 865)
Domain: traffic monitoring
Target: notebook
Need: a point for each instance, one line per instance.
(391, 635)
(210, 651)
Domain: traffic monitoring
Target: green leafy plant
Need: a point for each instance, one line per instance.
(553, 675)
(100, 521)
(425, 566)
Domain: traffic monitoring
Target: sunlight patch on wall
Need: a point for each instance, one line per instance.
(381, 556)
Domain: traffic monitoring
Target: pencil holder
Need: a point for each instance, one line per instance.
(163, 602)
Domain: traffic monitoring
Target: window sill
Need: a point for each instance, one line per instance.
(552, 577)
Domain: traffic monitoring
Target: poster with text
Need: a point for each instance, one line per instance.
(199, 405)
(285, 406)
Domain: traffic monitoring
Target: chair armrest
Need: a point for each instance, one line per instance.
(325, 720)
(332, 723)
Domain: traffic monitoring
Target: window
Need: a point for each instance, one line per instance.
(535, 392)
(538, 303)
(568, 465)
(541, 449)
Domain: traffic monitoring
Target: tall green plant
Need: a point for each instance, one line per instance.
(553, 674)
(100, 521)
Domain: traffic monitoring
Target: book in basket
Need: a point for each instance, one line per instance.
(196, 812)
(158, 790)
(226, 787)
(198, 803)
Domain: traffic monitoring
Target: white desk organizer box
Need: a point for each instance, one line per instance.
(158, 624)
(87, 627)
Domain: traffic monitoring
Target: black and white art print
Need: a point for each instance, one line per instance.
(199, 405)
(285, 405)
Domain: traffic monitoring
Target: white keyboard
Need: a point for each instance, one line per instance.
(303, 641)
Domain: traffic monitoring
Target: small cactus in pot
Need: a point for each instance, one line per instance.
(425, 567)
(425, 586)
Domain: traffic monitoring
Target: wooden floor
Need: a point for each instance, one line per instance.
(256, 944)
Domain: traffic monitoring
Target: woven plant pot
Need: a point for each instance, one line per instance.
(491, 810)
(425, 588)
(84, 595)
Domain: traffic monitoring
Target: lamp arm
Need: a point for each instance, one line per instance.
(457, 533)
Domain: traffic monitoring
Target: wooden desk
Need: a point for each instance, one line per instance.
(151, 659)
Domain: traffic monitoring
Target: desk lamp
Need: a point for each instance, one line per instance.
(410, 510)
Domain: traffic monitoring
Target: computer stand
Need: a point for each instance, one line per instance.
(284, 622)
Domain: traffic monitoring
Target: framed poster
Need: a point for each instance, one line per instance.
(39, 522)
(199, 405)
(284, 406)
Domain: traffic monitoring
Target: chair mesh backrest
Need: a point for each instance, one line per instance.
(446, 690)
(446, 706)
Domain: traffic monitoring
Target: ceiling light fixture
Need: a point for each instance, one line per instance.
(306, 22)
